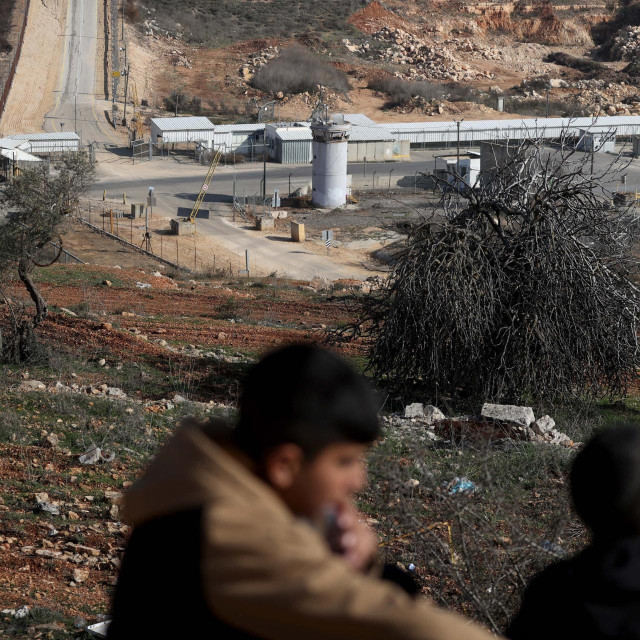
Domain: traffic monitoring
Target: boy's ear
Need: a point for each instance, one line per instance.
(283, 464)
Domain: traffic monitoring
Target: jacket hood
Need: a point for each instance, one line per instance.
(195, 466)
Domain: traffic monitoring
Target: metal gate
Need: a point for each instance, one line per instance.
(140, 150)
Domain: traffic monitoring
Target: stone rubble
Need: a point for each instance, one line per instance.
(626, 44)
(496, 422)
(437, 61)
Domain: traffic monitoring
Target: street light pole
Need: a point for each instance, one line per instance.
(264, 171)
(458, 123)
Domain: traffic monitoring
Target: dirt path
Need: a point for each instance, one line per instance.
(33, 93)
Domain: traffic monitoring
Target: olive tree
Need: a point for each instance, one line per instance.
(34, 207)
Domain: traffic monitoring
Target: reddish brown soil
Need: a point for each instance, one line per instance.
(374, 16)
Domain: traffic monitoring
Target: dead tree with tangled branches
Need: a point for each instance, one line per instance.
(520, 287)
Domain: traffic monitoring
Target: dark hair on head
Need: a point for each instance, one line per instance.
(605, 483)
(307, 396)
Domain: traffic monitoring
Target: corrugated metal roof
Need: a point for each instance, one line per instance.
(371, 133)
(56, 135)
(533, 124)
(294, 133)
(186, 123)
(18, 155)
(359, 119)
(11, 143)
(229, 128)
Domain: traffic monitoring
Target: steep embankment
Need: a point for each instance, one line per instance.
(33, 91)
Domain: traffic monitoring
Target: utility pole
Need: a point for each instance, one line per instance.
(458, 123)
(547, 102)
(126, 95)
(123, 4)
(264, 170)
(75, 112)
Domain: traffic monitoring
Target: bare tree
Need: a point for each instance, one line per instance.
(521, 286)
(35, 206)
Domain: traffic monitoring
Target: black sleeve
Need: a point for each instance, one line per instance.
(539, 615)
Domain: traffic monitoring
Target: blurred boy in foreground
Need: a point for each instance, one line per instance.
(251, 532)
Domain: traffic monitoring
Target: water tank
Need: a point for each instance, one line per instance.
(330, 151)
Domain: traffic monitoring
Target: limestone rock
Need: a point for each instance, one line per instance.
(80, 575)
(543, 425)
(415, 410)
(433, 414)
(32, 385)
(508, 413)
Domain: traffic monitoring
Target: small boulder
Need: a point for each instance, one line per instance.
(415, 410)
(80, 575)
(433, 414)
(107, 283)
(91, 455)
(522, 416)
(32, 385)
(52, 441)
(543, 425)
(42, 499)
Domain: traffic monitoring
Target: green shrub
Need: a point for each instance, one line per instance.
(297, 70)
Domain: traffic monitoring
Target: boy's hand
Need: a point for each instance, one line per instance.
(357, 541)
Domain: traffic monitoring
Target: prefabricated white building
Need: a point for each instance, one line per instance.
(289, 144)
(597, 139)
(14, 156)
(447, 166)
(371, 143)
(477, 131)
(45, 143)
(245, 139)
(182, 129)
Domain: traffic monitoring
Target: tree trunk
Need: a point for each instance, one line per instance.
(24, 271)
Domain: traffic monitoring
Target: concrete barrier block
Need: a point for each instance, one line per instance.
(182, 227)
(297, 232)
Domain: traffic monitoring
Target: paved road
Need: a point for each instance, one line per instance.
(75, 108)
(177, 185)
(182, 182)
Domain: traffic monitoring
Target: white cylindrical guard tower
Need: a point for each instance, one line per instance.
(330, 151)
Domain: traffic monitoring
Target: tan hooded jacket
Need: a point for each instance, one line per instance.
(267, 572)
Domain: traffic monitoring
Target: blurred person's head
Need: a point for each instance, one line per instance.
(605, 483)
(306, 420)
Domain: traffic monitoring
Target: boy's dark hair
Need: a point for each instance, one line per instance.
(605, 483)
(307, 396)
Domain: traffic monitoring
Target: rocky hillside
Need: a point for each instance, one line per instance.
(474, 50)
